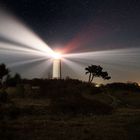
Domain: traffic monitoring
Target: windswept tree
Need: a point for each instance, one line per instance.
(96, 71)
(105, 76)
(3, 72)
(89, 71)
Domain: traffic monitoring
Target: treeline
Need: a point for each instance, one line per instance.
(132, 86)
(60, 87)
(52, 86)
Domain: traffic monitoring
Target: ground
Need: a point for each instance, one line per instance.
(29, 118)
(123, 124)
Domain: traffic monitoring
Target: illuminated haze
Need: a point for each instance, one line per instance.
(19, 46)
(92, 43)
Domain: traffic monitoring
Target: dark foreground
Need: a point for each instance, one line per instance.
(110, 115)
(123, 124)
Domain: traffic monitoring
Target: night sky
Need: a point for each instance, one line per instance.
(82, 25)
(94, 24)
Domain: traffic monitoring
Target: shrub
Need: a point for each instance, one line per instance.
(20, 90)
(3, 96)
(9, 111)
(81, 106)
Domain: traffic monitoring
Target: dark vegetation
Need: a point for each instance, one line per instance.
(66, 96)
(3, 72)
(41, 109)
(96, 71)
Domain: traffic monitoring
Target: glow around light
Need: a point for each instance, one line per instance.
(56, 55)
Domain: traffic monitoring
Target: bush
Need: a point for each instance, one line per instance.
(20, 90)
(3, 96)
(9, 111)
(81, 106)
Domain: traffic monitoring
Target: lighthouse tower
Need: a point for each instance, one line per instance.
(56, 68)
(56, 72)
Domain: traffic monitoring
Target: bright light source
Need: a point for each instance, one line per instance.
(97, 85)
(56, 55)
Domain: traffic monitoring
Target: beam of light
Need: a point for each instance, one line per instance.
(77, 69)
(14, 30)
(24, 62)
(39, 69)
(6, 48)
(21, 49)
(123, 57)
(132, 54)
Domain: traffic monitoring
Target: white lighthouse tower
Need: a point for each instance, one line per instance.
(56, 66)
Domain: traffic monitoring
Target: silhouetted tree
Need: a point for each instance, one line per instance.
(105, 76)
(96, 71)
(3, 72)
(89, 71)
(13, 81)
(17, 78)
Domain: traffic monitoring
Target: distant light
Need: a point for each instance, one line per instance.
(97, 85)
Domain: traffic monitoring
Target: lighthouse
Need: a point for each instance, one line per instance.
(56, 72)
